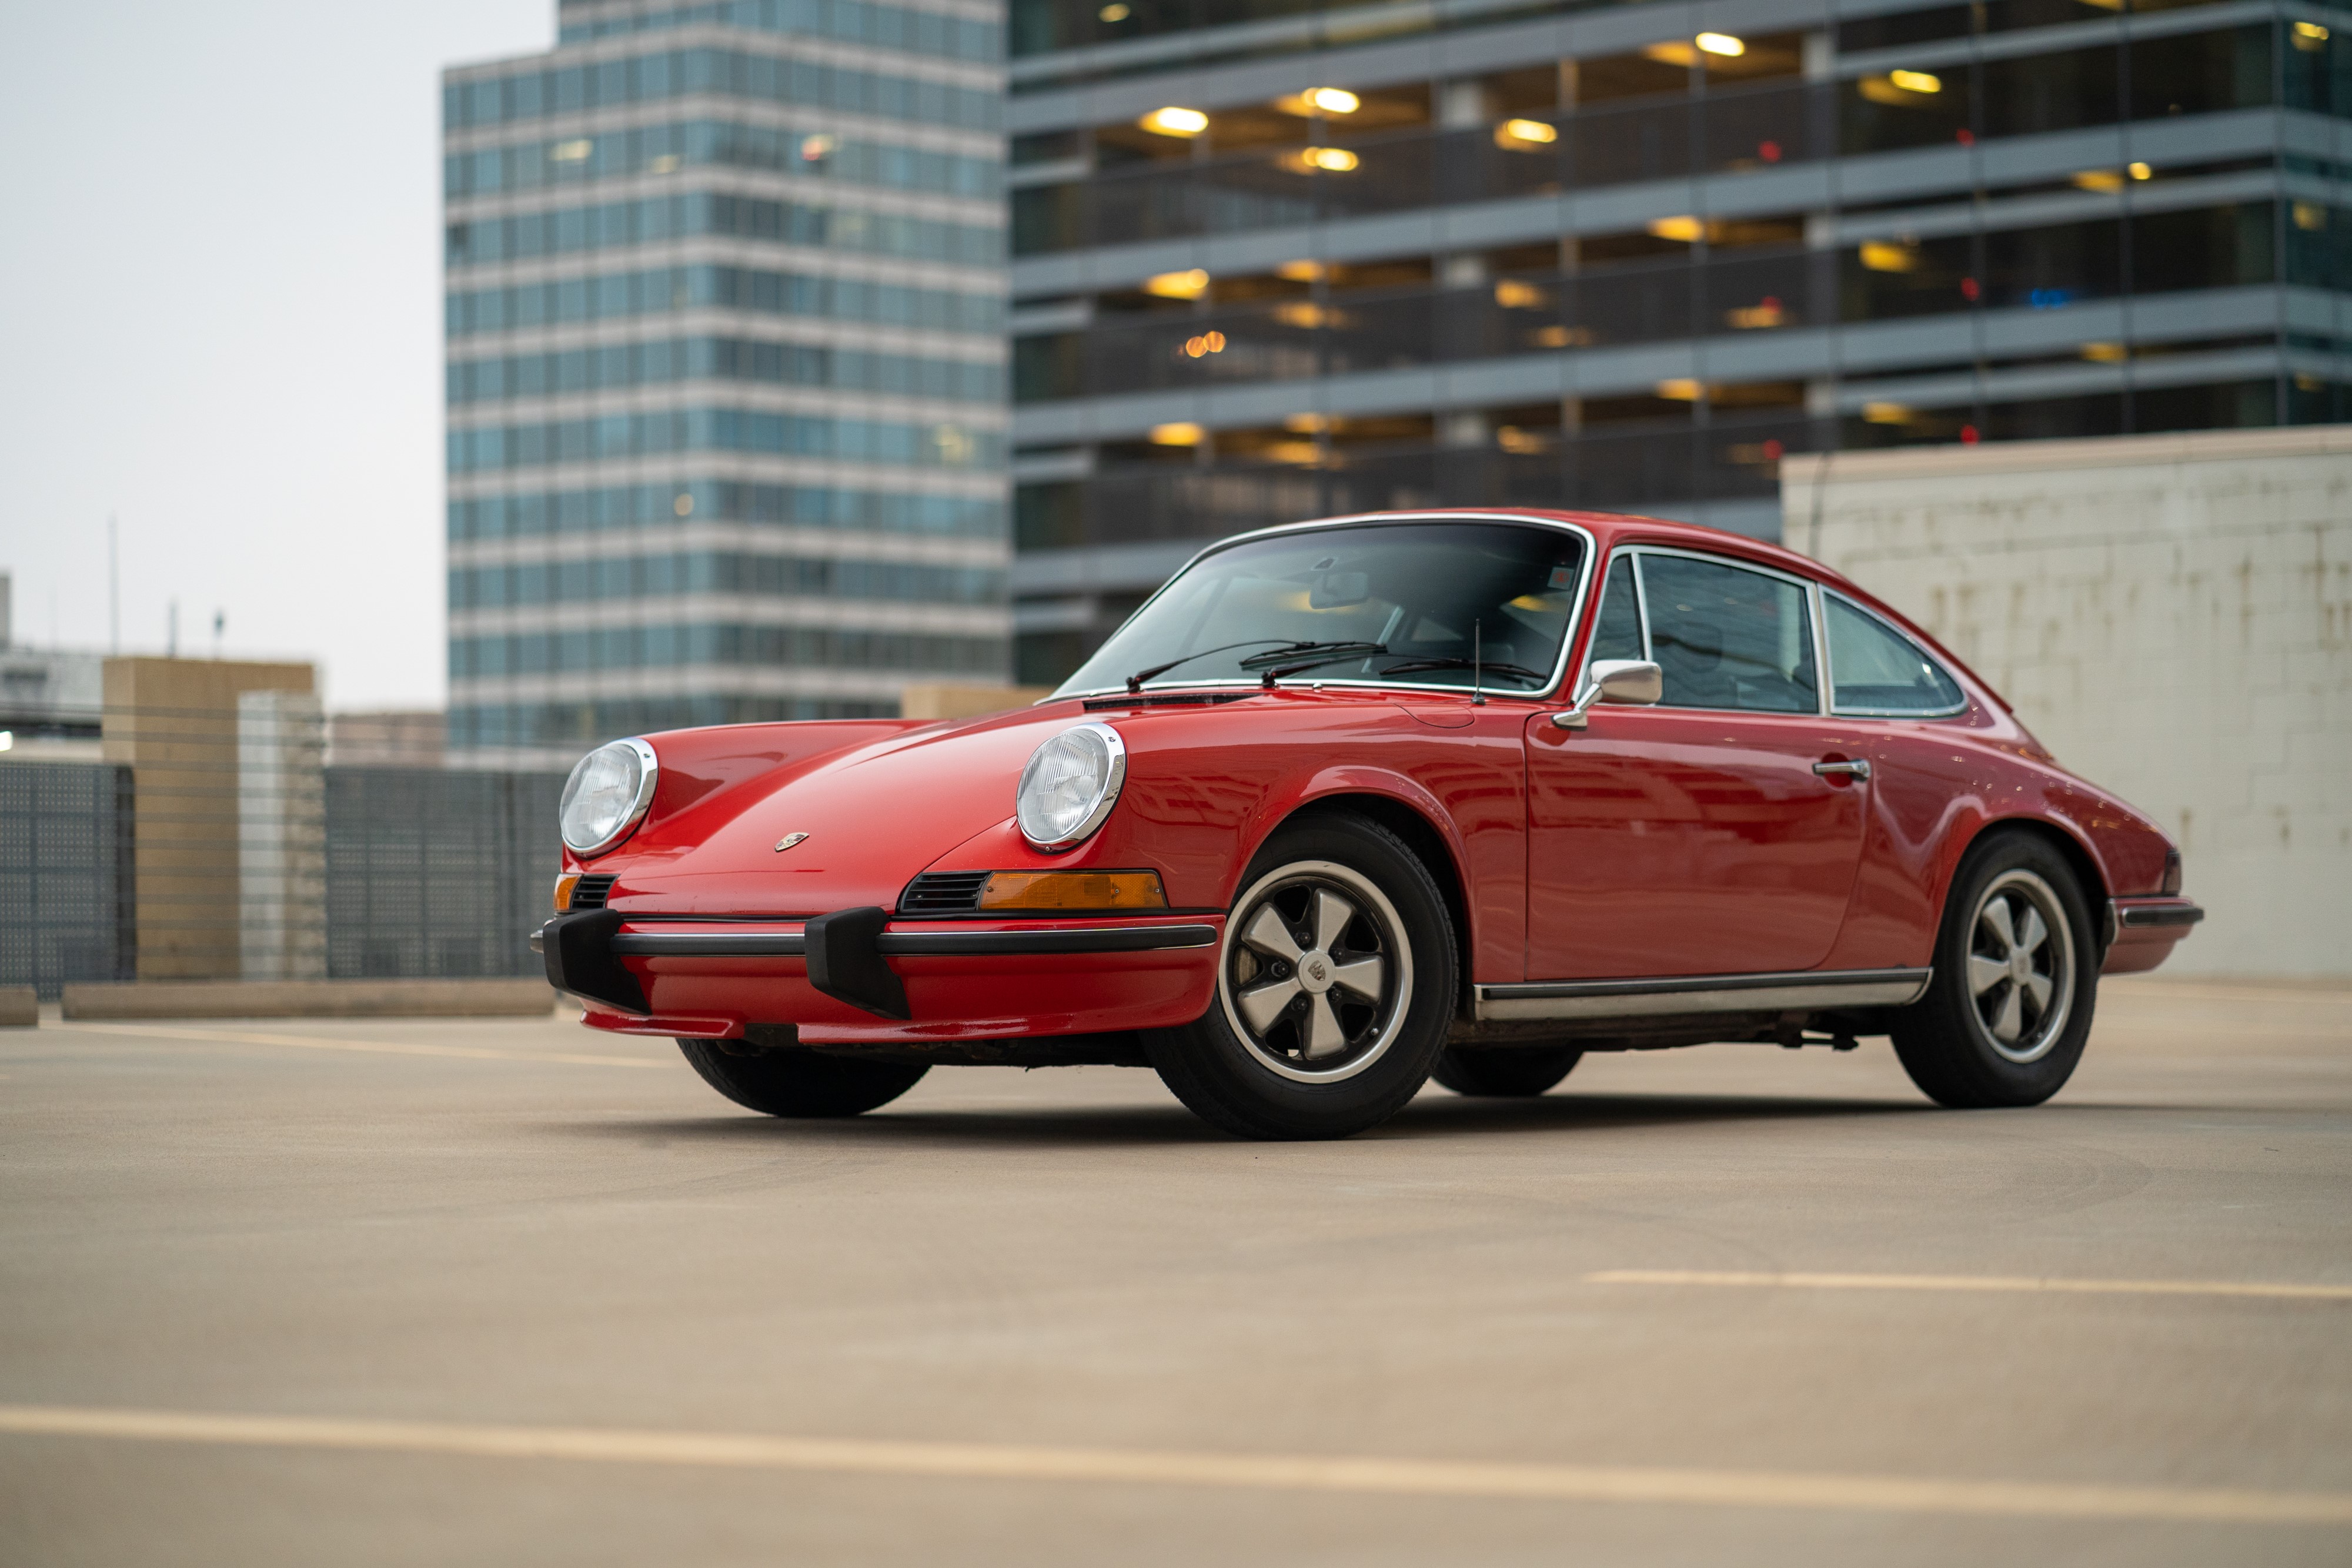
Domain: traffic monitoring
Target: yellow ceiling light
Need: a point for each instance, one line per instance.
(1680, 389)
(1688, 230)
(2141, 172)
(1183, 433)
(1884, 255)
(1175, 121)
(1334, 100)
(1189, 285)
(1886, 413)
(1676, 54)
(1299, 271)
(1917, 81)
(2105, 353)
(2099, 180)
(2310, 37)
(1331, 159)
(1115, 11)
(1722, 44)
(1513, 295)
(1526, 133)
(1306, 424)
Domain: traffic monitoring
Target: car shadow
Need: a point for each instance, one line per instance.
(1071, 1126)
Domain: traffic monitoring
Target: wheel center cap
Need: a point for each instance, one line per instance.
(2021, 966)
(1315, 972)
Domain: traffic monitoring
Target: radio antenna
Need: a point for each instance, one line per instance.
(1477, 658)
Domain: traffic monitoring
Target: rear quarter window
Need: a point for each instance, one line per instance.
(1875, 670)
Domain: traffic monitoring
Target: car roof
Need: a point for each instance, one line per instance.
(1607, 529)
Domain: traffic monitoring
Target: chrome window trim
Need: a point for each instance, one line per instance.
(1642, 596)
(1382, 519)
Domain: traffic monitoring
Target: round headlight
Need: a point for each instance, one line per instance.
(607, 795)
(1070, 784)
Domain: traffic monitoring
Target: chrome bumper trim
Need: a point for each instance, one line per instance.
(917, 944)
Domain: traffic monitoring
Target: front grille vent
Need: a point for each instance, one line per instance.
(943, 892)
(591, 892)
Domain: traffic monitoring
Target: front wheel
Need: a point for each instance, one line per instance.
(2016, 976)
(1335, 986)
(801, 1082)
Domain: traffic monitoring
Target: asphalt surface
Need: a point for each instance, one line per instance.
(512, 1292)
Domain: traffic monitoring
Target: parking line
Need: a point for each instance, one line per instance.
(379, 1046)
(1259, 1472)
(2269, 1289)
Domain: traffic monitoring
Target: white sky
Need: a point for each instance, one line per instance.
(220, 318)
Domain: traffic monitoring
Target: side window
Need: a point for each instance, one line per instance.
(1618, 634)
(1872, 670)
(1728, 638)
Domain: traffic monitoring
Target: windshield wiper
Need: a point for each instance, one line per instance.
(1332, 654)
(1135, 681)
(1456, 662)
(1337, 651)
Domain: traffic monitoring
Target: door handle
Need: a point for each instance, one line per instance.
(1860, 770)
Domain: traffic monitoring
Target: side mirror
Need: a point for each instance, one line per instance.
(1635, 682)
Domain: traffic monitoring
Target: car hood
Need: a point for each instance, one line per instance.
(875, 813)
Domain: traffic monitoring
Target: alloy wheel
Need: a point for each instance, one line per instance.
(1317, 976)
(2021, 966)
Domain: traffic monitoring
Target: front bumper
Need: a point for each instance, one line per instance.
(2142, 932)
(852, 977)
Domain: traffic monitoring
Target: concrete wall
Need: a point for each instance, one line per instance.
(2172, 615)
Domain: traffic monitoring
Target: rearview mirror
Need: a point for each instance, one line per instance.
(1338, 589)
(1634, 682)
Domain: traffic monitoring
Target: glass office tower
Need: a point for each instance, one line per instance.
(726, 369)
(1274, 259)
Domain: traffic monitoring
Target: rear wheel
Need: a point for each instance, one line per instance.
(2016, 978)
(1505, 1074)
(1335, 986)
(801, 1082)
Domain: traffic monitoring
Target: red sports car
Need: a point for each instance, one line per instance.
(1355, 801)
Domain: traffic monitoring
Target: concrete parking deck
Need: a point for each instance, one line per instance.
(508, 1291)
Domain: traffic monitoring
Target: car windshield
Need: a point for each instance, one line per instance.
(1400, 604)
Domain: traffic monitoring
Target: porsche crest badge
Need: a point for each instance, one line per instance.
(788, 841)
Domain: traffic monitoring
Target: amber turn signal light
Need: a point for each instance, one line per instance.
(1087, 890)
(563, 886)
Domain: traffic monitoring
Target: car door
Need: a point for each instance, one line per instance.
(1720, 831)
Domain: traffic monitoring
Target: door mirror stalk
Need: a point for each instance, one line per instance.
(1637, 683)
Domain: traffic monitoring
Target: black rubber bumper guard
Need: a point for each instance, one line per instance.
(845, 952)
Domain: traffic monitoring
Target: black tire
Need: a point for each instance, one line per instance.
(1950, 1040)
(801, 1082)
(1285, 1077)
(1507, 1074)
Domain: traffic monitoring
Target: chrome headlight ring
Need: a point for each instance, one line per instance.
(1069, 785)
(608, 794)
